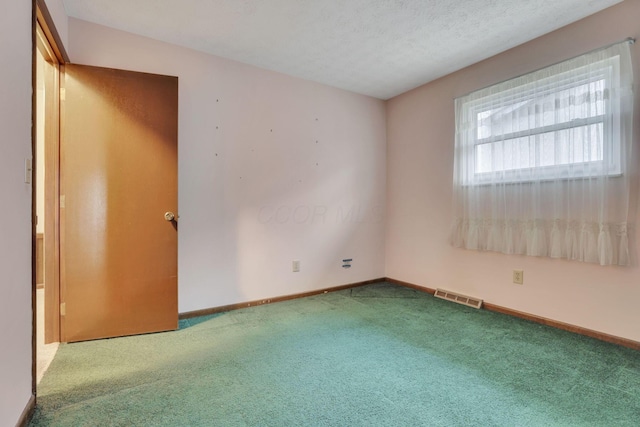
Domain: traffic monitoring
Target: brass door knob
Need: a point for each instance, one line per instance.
(169, 216)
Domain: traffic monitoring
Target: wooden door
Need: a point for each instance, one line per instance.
(118, 177)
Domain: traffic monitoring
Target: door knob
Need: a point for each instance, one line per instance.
(169, 216)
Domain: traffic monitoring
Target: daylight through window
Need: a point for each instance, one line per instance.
(542, 161)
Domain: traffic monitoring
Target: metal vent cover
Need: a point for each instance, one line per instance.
(459, 298)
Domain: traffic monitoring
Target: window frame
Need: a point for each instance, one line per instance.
(606, 70)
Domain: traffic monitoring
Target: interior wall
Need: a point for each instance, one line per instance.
(420, 126)
(271, 169)
(15, 227)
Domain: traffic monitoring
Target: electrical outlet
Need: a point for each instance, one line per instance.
(296, 266)
(518, 277)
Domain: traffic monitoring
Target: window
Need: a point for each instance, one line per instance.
(544, 156)
(541, 125)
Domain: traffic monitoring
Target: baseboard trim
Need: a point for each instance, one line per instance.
(635, 345)
(410, 285)
(24, 419)
(230, 307)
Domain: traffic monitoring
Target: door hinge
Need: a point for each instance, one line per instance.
(63, 94)
(62, 201)
(63, 309)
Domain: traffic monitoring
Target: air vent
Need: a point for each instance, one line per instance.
(459, 298)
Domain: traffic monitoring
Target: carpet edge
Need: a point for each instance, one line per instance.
(613, 339)
(237, 306)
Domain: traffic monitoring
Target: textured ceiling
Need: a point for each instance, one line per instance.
(379, 48)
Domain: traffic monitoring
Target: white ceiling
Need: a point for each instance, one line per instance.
(379, 48)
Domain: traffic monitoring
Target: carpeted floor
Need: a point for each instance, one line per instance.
(378, 355)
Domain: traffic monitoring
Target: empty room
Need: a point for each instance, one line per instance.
(336, 213)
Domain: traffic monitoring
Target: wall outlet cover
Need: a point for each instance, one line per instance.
(518, 277)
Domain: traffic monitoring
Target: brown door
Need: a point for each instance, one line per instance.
(118, 177)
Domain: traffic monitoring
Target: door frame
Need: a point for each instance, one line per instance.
(51, 190)
(45, 33)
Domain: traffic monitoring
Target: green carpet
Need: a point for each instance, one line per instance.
(378, 355)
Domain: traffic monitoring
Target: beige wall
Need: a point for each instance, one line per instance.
(420, 132)
(255, 189)
(15, 227)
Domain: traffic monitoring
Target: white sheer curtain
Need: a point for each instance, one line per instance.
(543, 162)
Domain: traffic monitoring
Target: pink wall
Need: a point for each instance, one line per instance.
(420, 138)
(15, 226)
(255, 189)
